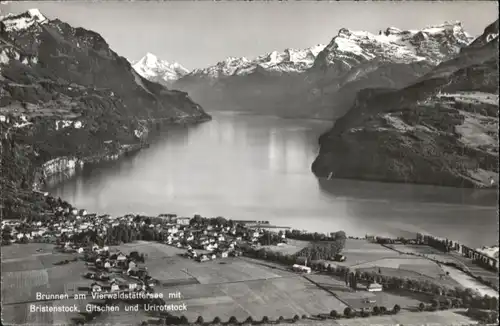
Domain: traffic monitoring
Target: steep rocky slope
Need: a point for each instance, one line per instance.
(159, 71)
(66, 97)
(327, 79)
(442, 129)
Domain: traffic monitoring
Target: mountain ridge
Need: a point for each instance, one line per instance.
(66, 96)
(360, 58)
(441, 129)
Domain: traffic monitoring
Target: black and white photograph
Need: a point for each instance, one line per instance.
(213, 163)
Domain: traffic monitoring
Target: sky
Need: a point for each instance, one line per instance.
(198, 34)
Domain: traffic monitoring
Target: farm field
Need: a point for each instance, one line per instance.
(257, 298)
(362, 251)
(431, 275)
(406, 300)
(469, 282)
(426, 251)
(290, 248)
(444, 317)
(475, 269)
(239, 287)
(16, 251)
(24, 273)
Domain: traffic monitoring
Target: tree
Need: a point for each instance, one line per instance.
(249, 320)
(233, 320)
(421, 306)
(376, 310)
(396, 308)
(347, 312)
(296, 317)
(334, 314)
(216, 320)
(183, 320)
(265, 319)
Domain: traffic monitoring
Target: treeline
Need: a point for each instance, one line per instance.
(315, 236)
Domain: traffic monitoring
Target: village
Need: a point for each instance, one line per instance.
(154, 261)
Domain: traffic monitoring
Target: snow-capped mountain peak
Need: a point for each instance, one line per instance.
(22, 21)
(286, 61)
(152, 68)
(433, 43)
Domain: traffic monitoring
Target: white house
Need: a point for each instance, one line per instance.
(121, 257)
(374, 287)
(96, 287)
(114, 286)
(107, 264)
(183, 220)
(301, 268)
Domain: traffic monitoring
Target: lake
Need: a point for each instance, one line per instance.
(243, 166)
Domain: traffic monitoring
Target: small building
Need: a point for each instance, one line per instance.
(374, 287)
(114, 286)
(301, 268)
(121, 257)
(95, 287)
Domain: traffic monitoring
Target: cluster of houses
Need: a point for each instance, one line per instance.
(64, 221)
(119, 271)
(210, 242)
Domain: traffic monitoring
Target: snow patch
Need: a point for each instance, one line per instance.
(23, 21)
(150, 67)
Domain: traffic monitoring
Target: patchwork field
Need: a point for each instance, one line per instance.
(257, 298)
(355, 299)
(26, 272)
(239, 287)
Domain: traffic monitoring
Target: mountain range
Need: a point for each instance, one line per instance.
(322, 81)
(441, 129)
(64, 94)
(418, 106)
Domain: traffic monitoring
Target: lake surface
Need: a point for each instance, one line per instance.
(242, 166)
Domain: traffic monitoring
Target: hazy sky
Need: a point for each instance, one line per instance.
(197, 34)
